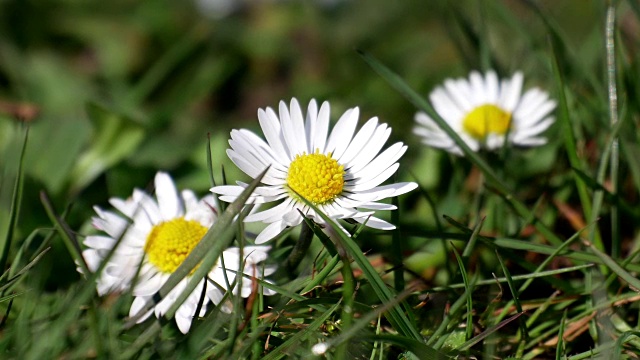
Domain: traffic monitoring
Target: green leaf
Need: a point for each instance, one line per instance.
(114, 138)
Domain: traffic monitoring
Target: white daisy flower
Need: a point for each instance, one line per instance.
(486, 113)
(158, 235)
(339, 173)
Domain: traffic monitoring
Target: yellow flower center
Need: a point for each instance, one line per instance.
(486, 119)
(316, 177)
(170, 242)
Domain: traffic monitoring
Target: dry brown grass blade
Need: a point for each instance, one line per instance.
(572, 330)
(574, 217)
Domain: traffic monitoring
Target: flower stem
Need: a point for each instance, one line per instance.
(301, 247)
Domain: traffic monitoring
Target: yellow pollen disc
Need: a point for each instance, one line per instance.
(486, 119)
(316, 177)
(170, 242)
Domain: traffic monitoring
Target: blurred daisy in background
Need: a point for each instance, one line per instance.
(158, 235)
(340, 172)
(486, 113)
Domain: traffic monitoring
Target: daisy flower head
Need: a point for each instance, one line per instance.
(340, 172)
(486, 113)
(157, 234)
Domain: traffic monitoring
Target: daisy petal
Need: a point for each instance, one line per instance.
(342, 133)
(322, 128)
(270, 232)
(167, 196)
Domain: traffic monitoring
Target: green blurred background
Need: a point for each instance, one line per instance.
(115, 91)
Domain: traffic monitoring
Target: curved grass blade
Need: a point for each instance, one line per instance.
(535, 275)
(65, 232)
(569, 135)
(472, 239)
(483, 335)
(319, 277)
(9, 297)
(619, 346)
(560, 346)
(514, 292)
(11, 281)
(633, 282)
(469, 291)
(609, 196)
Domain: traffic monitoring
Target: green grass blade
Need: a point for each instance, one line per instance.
(26, 244)
(141, 341)
(5, 246)
(613, 114)
(514, 293)
(613, 265)
(536, 275)
(65, 232)
(348, 293)
(597, 187)
(11, 296)
(483, 335)
(619, 346)
(472, 239)
(397, 248)
(322, 275)
(24, 270)
(569, 135)
(560, 345)
(468, 291)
